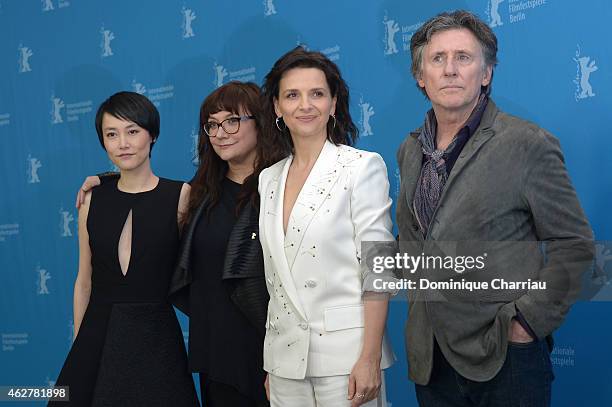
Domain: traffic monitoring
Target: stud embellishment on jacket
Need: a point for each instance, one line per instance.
(311, 251)
(253, 236)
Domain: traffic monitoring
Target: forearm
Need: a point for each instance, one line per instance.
(375, 317)
(82, 293)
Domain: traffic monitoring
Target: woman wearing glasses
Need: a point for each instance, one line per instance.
(324, 343)
(221, 253)
(219, 280)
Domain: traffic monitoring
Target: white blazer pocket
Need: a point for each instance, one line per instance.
(343, 317)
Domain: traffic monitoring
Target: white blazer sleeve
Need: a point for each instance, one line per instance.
(370, 213)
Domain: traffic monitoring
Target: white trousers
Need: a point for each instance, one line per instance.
(328, 391)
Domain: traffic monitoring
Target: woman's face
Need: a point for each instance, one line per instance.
(237, 148)
(305, 102)
(127, 144)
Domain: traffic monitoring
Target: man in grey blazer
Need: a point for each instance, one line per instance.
(472, 173)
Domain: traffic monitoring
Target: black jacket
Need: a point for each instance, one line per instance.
(243, 268)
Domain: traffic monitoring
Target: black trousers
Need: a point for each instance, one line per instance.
(216, 394)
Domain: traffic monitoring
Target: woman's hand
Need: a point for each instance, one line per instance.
(267, 386)
(364, 381)
(90, 182)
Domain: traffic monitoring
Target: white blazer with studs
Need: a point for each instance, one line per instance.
(315, 315)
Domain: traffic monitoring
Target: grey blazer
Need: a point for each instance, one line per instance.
(509, 184)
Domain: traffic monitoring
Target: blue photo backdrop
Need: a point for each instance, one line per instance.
(61, 58)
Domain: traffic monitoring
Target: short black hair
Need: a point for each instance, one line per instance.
(133, 107)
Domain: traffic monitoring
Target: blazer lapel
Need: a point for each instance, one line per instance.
(412, 162)
(478, 139)
(273, 224)
(322, 178)
(243, 256)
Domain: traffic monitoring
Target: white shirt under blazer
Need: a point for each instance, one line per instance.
(315, 315)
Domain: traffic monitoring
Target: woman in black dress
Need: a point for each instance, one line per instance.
(128, 348)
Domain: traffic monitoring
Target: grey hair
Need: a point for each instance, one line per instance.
(457, 19)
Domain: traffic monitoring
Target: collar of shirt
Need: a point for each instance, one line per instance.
(464, 134)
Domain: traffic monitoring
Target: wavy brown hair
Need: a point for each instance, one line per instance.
(237, 98)
(343, 132)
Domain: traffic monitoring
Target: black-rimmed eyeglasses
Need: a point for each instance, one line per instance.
(231, 125)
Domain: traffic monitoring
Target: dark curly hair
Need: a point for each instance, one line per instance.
(343, 132)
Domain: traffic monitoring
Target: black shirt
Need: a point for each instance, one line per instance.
(463, 136)
(223, 344)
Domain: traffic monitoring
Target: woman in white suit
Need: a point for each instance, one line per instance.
(324, 343)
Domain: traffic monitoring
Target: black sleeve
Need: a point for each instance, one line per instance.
(107, 176)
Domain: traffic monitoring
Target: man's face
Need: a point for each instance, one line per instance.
(453, 71)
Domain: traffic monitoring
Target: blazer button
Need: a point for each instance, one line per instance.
(415, 227)
(303, 325)
(311, 283)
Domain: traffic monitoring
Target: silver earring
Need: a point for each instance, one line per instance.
(334, 125)
(277, 125)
